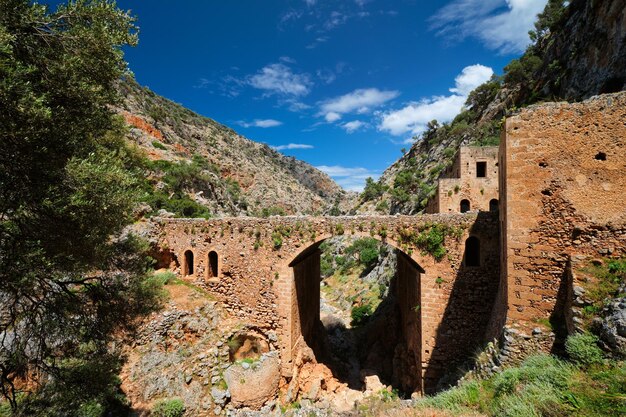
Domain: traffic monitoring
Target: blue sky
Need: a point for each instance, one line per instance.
(341, 84)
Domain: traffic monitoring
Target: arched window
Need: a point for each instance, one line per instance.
(472, 251)
(188, 267)
(493, 205)
(465, 206)
(212, 271)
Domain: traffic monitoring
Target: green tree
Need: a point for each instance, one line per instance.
(373, 189)
(67, 278)
(548, 18)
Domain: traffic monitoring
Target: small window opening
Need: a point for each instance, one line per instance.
(472, 251)
(212, 272)
(188, 270)
(601, 156)
(481, 169)
(465, 206)
(493, 205)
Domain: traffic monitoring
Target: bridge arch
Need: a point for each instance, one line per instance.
(301, 273)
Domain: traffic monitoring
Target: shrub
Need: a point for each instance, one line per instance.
(158, 145)
(432, 241)
(372, 190)
(162, 278)
(368, 250)
(360, 314)
(277, 240)
(169, 408)
(583, 350)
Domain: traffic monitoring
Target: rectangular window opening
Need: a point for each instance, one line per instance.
(481, 169)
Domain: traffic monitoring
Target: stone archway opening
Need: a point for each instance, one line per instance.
(374, 344)
(212, 265)
(188, 266)
(465, 206)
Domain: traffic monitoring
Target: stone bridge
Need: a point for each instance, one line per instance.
(266, 271)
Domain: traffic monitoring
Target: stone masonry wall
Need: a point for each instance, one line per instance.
(564, 176)
(256, 282)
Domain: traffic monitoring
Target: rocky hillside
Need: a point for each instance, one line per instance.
(579, 50)
(198, 167)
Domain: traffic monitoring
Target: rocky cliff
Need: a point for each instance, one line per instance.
(235, 176)
(586, 54)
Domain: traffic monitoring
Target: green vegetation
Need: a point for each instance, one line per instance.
(273, 211)
(360, 314)
(583, 350)
(178, 178)
(343, 267)
(366, 250)
(162, 278)
(542, 386)
(362, 253)
(602, 282)
(277, 240)
(431, 239)
(372, 190)
(169, 408)
(158, 145)
(69, 185)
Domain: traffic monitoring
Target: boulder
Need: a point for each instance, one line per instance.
(256, 385)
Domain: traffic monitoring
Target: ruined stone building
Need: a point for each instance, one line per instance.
(469, 184)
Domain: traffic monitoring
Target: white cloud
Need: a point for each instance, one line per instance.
(501, 25)
(294, 105)
(353, 126)
(413, 117)
(332, 117)
(351, 179)
(264, 123)
(470, 78)
(361, 101)
(292, 146)
(279, 79)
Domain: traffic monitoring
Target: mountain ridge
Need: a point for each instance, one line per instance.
(235, 176)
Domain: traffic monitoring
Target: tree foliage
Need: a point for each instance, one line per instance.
(548, 18)
(373, 189)
(66, 191)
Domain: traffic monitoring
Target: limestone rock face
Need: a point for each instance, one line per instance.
(612, 326)
(254, 385)
(590, 49)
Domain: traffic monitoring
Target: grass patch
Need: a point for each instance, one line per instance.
(169, 408)
(542, 386)
(203, 292)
